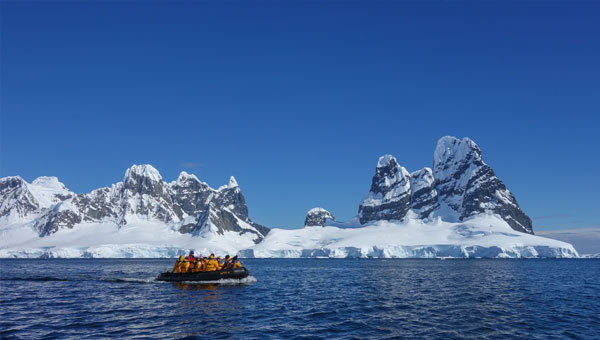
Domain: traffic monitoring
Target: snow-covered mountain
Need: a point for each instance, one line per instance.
(316, 217)
(468, 186)
(458, 208)
(186, 206)
(461, 185)
(21, 201)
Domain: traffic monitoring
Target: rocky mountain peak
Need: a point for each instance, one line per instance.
(49, 182)
(11, 182)
(468, 186)
(389, 196)
(184, 205)
(232, 182)
(388, 174)
(144, 179)
(452, 150)
(143, 170)
(459, 186)
(185, 177)
(317, 217)
(19, 199)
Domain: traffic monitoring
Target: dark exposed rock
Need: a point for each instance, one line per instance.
(389, 197)
(461, 185)
(20, 199)
(186, 203)
(470, 187)
(317, 217)
(51, 223)
(15, 198)
(221, 220)
(423, 198)
(190, 196)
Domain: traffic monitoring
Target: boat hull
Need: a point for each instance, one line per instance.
(234, 273)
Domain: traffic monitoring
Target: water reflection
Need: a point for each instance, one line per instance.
(196, 286)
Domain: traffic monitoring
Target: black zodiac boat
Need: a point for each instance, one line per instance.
(234, 273)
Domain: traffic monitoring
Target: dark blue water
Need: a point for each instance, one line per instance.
(304, 299)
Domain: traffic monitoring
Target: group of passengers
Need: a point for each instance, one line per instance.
(192, 264)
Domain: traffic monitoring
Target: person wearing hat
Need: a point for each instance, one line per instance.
(181, 266)
(177, 266)
(227, 263)
(197, 266)
(191, 257)
(236, 262)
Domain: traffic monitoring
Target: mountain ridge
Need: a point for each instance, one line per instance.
(182, 204)
(459, 198)
(459, 186)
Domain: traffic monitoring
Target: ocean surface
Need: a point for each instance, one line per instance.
(304, 299)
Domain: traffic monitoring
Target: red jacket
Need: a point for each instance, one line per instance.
(191, 258)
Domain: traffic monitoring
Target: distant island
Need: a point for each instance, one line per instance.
(459, 208)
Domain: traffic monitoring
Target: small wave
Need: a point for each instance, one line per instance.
(225, 282)
(50, 278)
(131, 280)
(41, 278)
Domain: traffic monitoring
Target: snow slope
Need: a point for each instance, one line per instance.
(139, 238)
(481, 236)
(460, 208)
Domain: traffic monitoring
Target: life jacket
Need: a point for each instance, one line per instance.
(191, 258)
(237, 264)
(211, 265)
(227, 264)
(185, 266)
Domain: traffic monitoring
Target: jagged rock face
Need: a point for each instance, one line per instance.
(227, 212)
(460, 185)
(186, 204)
(58, 219)
(18, 199)
(389, 197)
(469, 186)
(424, 197)
(230, 196)
(317, 217)
(15, 198)
(190, 195)
(146, 194)
(103, 203)
(221, 220)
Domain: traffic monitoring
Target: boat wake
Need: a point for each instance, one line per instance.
(226, 282)
(151, 280)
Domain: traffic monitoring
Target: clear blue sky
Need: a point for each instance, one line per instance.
(297, 100)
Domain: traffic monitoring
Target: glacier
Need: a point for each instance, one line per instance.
(483, 236)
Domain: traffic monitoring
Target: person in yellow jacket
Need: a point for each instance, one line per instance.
(192, 267)
(211, 264)
(204, 262)
(185, 266)
(177, 266)
(236, 262)
(219, 263)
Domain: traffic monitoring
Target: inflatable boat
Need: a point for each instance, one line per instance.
(233, 273)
